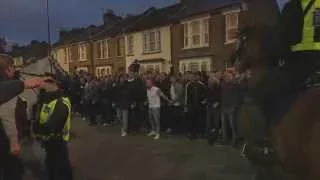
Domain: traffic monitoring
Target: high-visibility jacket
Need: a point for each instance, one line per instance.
(311, 28)
(47, 110)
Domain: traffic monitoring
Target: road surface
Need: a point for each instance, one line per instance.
(101, 154)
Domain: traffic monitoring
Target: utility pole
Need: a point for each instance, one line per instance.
(49, 35)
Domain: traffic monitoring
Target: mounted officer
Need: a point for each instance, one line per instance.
(298, 34)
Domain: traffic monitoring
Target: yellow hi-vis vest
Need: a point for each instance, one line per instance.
(308, 43)
(47, 110)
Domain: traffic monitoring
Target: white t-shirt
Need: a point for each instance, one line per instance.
(154, 97)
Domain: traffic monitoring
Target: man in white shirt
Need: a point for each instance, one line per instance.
(154, 95)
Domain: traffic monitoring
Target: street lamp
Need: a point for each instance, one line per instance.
(49, 34)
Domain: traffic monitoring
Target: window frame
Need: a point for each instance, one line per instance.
(188, 32)
(227, 16)
(154, 67)
(151, 37)
(196, 65)
(120, 47)
(82, 49)
(130, 45)
(103, 46)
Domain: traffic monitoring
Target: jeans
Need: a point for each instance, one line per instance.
(123, 117)
(154, 119)
(228, 115)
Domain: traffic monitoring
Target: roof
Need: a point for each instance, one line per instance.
(192, 7)
(78, 35)
(116, 29)
(153, 18)
(150, 18)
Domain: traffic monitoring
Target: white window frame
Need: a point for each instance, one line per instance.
(104, 50)
(83, 52)
(120, 48)
(155, 66)
(66, 55)
(146, 41)
(227, 14)
(69, 54)
(130, 45)
(82, 69)
(185, 65)
(100, 68)
(206, 31)
(204, 28)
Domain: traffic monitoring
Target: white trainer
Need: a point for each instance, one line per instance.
(157, 137)
(123, 134)
(152, 133)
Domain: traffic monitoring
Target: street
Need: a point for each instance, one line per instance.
(101, 154)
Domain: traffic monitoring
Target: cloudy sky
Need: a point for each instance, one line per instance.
(25, 20)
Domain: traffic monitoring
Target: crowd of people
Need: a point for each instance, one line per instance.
(193, 103)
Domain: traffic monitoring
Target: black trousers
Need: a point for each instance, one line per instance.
(93, 109)
(11, 167)
(137, 117)
(176, 119)
(57, 160)
(196, 117)
(106, 110)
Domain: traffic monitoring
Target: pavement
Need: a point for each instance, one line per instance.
(101, 154)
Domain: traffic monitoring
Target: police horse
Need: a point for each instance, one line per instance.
(293, 150)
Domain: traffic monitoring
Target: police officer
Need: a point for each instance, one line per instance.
(299, 43)
(53, 130)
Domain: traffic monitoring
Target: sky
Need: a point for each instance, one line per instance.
(25, 20)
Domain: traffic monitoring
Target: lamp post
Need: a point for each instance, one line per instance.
(49, 34)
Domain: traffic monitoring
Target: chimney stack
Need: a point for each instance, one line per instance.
(110, 19)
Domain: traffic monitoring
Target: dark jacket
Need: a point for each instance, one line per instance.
(123, 95)
(57, 119)
(214, 94)
(195, 94)
(229, 94)
(139, 90)
(9, 89)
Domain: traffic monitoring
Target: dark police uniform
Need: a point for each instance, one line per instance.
(53, 131)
